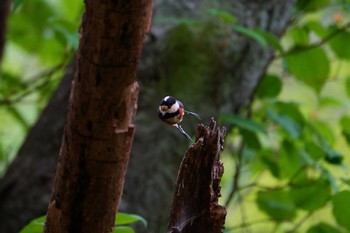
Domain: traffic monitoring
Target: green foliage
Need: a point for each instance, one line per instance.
(311, 66)
(269, 87)
(311, 5)
(341, 208)
(277, 204)
(292, 128)
(42, 37)
(35, 226)
(252, 34)
(337, 43)
(292, 148)
(323, 228)
(122, 219)
(311, 194)
(243, 123)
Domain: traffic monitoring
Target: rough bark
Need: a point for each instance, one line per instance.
(195, 207)
(26, 187)
(99, 132)
(157, 148)
(4, 12)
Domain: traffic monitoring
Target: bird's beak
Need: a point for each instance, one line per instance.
(164, 108)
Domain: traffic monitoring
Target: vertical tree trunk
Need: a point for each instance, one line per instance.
(99, 131)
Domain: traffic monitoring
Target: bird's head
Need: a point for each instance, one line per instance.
(168, 105)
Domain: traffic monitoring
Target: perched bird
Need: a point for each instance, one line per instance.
(171, 111)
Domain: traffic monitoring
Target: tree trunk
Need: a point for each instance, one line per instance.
(157, 149)
(99, 131)
(195, 207)
(4, 11)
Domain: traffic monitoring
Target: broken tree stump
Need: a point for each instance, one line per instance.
(195, 205)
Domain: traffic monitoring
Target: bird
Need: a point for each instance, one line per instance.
(171, 111)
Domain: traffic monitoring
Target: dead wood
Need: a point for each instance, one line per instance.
(195, 205)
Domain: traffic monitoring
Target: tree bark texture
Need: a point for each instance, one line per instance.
(4, 12)
(98, 135)
(195, 207)
(157, 148)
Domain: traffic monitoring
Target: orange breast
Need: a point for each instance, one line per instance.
(175, 119)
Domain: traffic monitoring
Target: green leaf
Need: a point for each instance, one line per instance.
(283, 163)
(289, 159)
(277, 204)
(35, 226)
(224, 15)
(309, 65)
(272, 40)
(341, 208)
(252, 34)
(269, 87)
(314, 150)
(65, 32)
(338, 43)
(325, 138)
(123, 219)
(325, 132)
(291, 110)
(311, 194)
(267, 158)
(250, 139)
(347, 86)
(300, 35)
(29, 29)
(311, 5)
(286, 123)
(334, 157)
(345, 122)
(317, 27)
(346, 134)
(243, 123)
(123, 229)
(323, 228)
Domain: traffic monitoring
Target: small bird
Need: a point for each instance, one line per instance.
(171, 111)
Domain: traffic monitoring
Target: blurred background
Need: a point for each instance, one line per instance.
(275, 73)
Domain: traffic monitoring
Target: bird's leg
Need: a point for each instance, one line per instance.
(192, 114)
(183, 132)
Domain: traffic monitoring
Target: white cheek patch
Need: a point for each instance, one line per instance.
(174, 108)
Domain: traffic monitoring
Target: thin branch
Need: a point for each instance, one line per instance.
(235, 186)
(34, 83)
(314, 45)
(298, 224)
(236, 176)
(243, 213)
